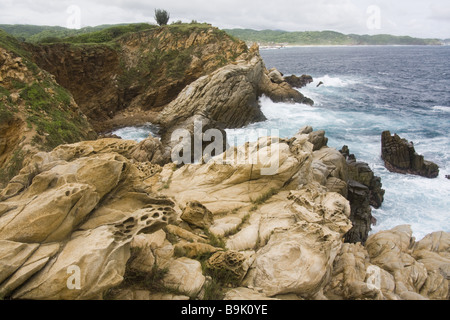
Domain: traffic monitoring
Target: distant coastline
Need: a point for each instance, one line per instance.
(276, 38)
(276, 47)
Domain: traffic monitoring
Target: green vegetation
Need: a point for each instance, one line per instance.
(10, 43)
(101, 36)
(162, 17)
(264, 197)
(48, 108)
(214, 240)
(270, 37)
(35, 34)
(213, 290)
(12, 168)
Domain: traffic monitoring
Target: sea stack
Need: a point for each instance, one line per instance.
(400, 156)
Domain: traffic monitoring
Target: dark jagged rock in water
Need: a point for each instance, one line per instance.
(360, 214)
(320, 83)
(400, 156)
(361, 172)
(447, 176)
(298, 82)
(364, 190)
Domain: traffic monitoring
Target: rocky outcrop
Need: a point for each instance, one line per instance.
(197, 214)
(36, 113)
(228, 95)
(363, 191)
(298, 82)
(391, 266)
(143, 70)
(400, 156)
(226, 98)
(340, 172)
(260, 234)
(77, 214)
(361, 172)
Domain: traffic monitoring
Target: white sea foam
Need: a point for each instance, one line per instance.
(333, 81)
(441, 108)
(137, 133)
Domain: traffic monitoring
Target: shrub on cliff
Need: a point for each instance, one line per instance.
(162, 17)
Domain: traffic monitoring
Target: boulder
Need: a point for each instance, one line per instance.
(334, 162)
(298, 82)
(400, 156)
(297, 261)
(318, 139)
(197, 214)
(228, 95)
(354, 277)
(391, 250)
(228, 266)
(194, 250)
(185, 275)
(275, 76)
(151, 150)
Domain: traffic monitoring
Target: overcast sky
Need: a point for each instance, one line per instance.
(419, 18)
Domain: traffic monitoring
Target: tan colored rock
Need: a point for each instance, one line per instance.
(350, 273)
(230, 89)
(334, 161)
(232, 263)
(34, 263)
(223, 226)
(391, 250)
(51, 217)
(242, 293)
(195, 249)
(237, 178)
(98, 256)
(184, 234)
(142, 260)
(12, 256)
(150, 150)
(297, 261)
(275, 76)
(185, 275)
(433, 252)
(247, 238)
(168, 296)
(153, 240)
(197, 214)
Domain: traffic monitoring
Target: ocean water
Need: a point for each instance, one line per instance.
(368, 90)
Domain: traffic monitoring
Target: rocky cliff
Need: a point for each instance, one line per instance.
(99, 216)
(36, 113)
(400, 156)
(116, 219)
(138, 71)
(127, 81)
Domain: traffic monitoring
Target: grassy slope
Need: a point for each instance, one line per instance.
(46, 107)
(35, 34)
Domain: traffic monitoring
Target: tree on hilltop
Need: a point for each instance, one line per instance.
(162, 17)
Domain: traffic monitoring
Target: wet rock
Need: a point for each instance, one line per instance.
(400, 156)
(298, 82)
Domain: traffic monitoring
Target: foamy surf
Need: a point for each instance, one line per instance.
(441, 108)
(138, 133)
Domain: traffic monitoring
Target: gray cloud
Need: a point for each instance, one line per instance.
(402, 17)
